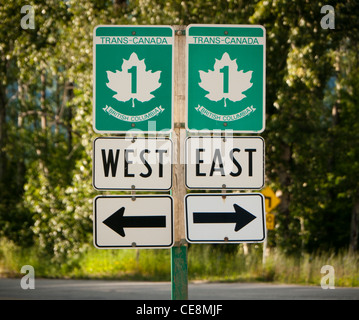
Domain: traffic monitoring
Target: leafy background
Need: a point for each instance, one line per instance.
(312, 128)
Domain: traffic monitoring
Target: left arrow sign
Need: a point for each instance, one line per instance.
(117, 222)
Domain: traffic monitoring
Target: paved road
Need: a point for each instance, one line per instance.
(46, 289)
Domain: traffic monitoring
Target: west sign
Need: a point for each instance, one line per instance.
(132, 163)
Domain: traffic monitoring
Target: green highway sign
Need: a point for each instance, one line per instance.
(226, 77)
(133, 78)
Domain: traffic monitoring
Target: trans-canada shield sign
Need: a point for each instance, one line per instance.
(133, 78)
(226, 78)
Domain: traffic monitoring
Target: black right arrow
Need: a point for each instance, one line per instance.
(240, 217)
(117, 221)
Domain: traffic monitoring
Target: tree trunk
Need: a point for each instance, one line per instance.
(354, 225)
(42, 101)
(285, 181)
(2, 132)
(41, 151)
(70, 95)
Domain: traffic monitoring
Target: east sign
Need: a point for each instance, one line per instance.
(224, 162)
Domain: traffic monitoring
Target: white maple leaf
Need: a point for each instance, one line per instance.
(133, 82)
(231, 88)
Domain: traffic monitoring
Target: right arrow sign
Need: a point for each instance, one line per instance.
(240, 217)
(218, 218)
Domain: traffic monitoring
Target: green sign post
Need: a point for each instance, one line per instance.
(226, 78)
(133, 79)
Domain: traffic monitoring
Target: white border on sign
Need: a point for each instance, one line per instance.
(227, 187)
(148, 140)
(95, 231)
(264, 73)
(263, 225)
(94, 81)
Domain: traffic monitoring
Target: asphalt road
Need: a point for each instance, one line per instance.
(55, 289)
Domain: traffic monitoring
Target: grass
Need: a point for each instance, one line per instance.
(130, 264)
(205, 262)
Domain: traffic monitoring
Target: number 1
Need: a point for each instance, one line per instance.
(133, 72)
(225, 72)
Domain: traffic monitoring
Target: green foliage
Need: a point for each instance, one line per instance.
(205, 262)
(46, 118)
(303, 124)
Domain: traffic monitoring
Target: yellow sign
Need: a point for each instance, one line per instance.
(270, 221)
(271, 201)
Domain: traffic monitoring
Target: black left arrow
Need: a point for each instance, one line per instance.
(240, 217)
(117, 222)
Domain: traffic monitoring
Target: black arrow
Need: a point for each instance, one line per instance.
(240, 217)
(117, 221)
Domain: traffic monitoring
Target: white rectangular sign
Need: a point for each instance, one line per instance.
(141, 221)
(132, 163)
(225, 218)
(224, 162)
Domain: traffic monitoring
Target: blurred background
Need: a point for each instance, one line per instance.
(311, 137)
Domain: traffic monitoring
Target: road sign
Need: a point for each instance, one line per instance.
(271, 200)
(132, 163)
(133, 78)
(226, 77)
(224, 163)
(225, 218)
(270, 221)
(133, 221)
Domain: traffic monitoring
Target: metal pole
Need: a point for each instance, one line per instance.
(179, 273)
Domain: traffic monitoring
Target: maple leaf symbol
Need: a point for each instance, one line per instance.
(133, 82)
(225, 81)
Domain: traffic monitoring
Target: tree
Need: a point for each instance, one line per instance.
(46, 113)
(301, 127)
